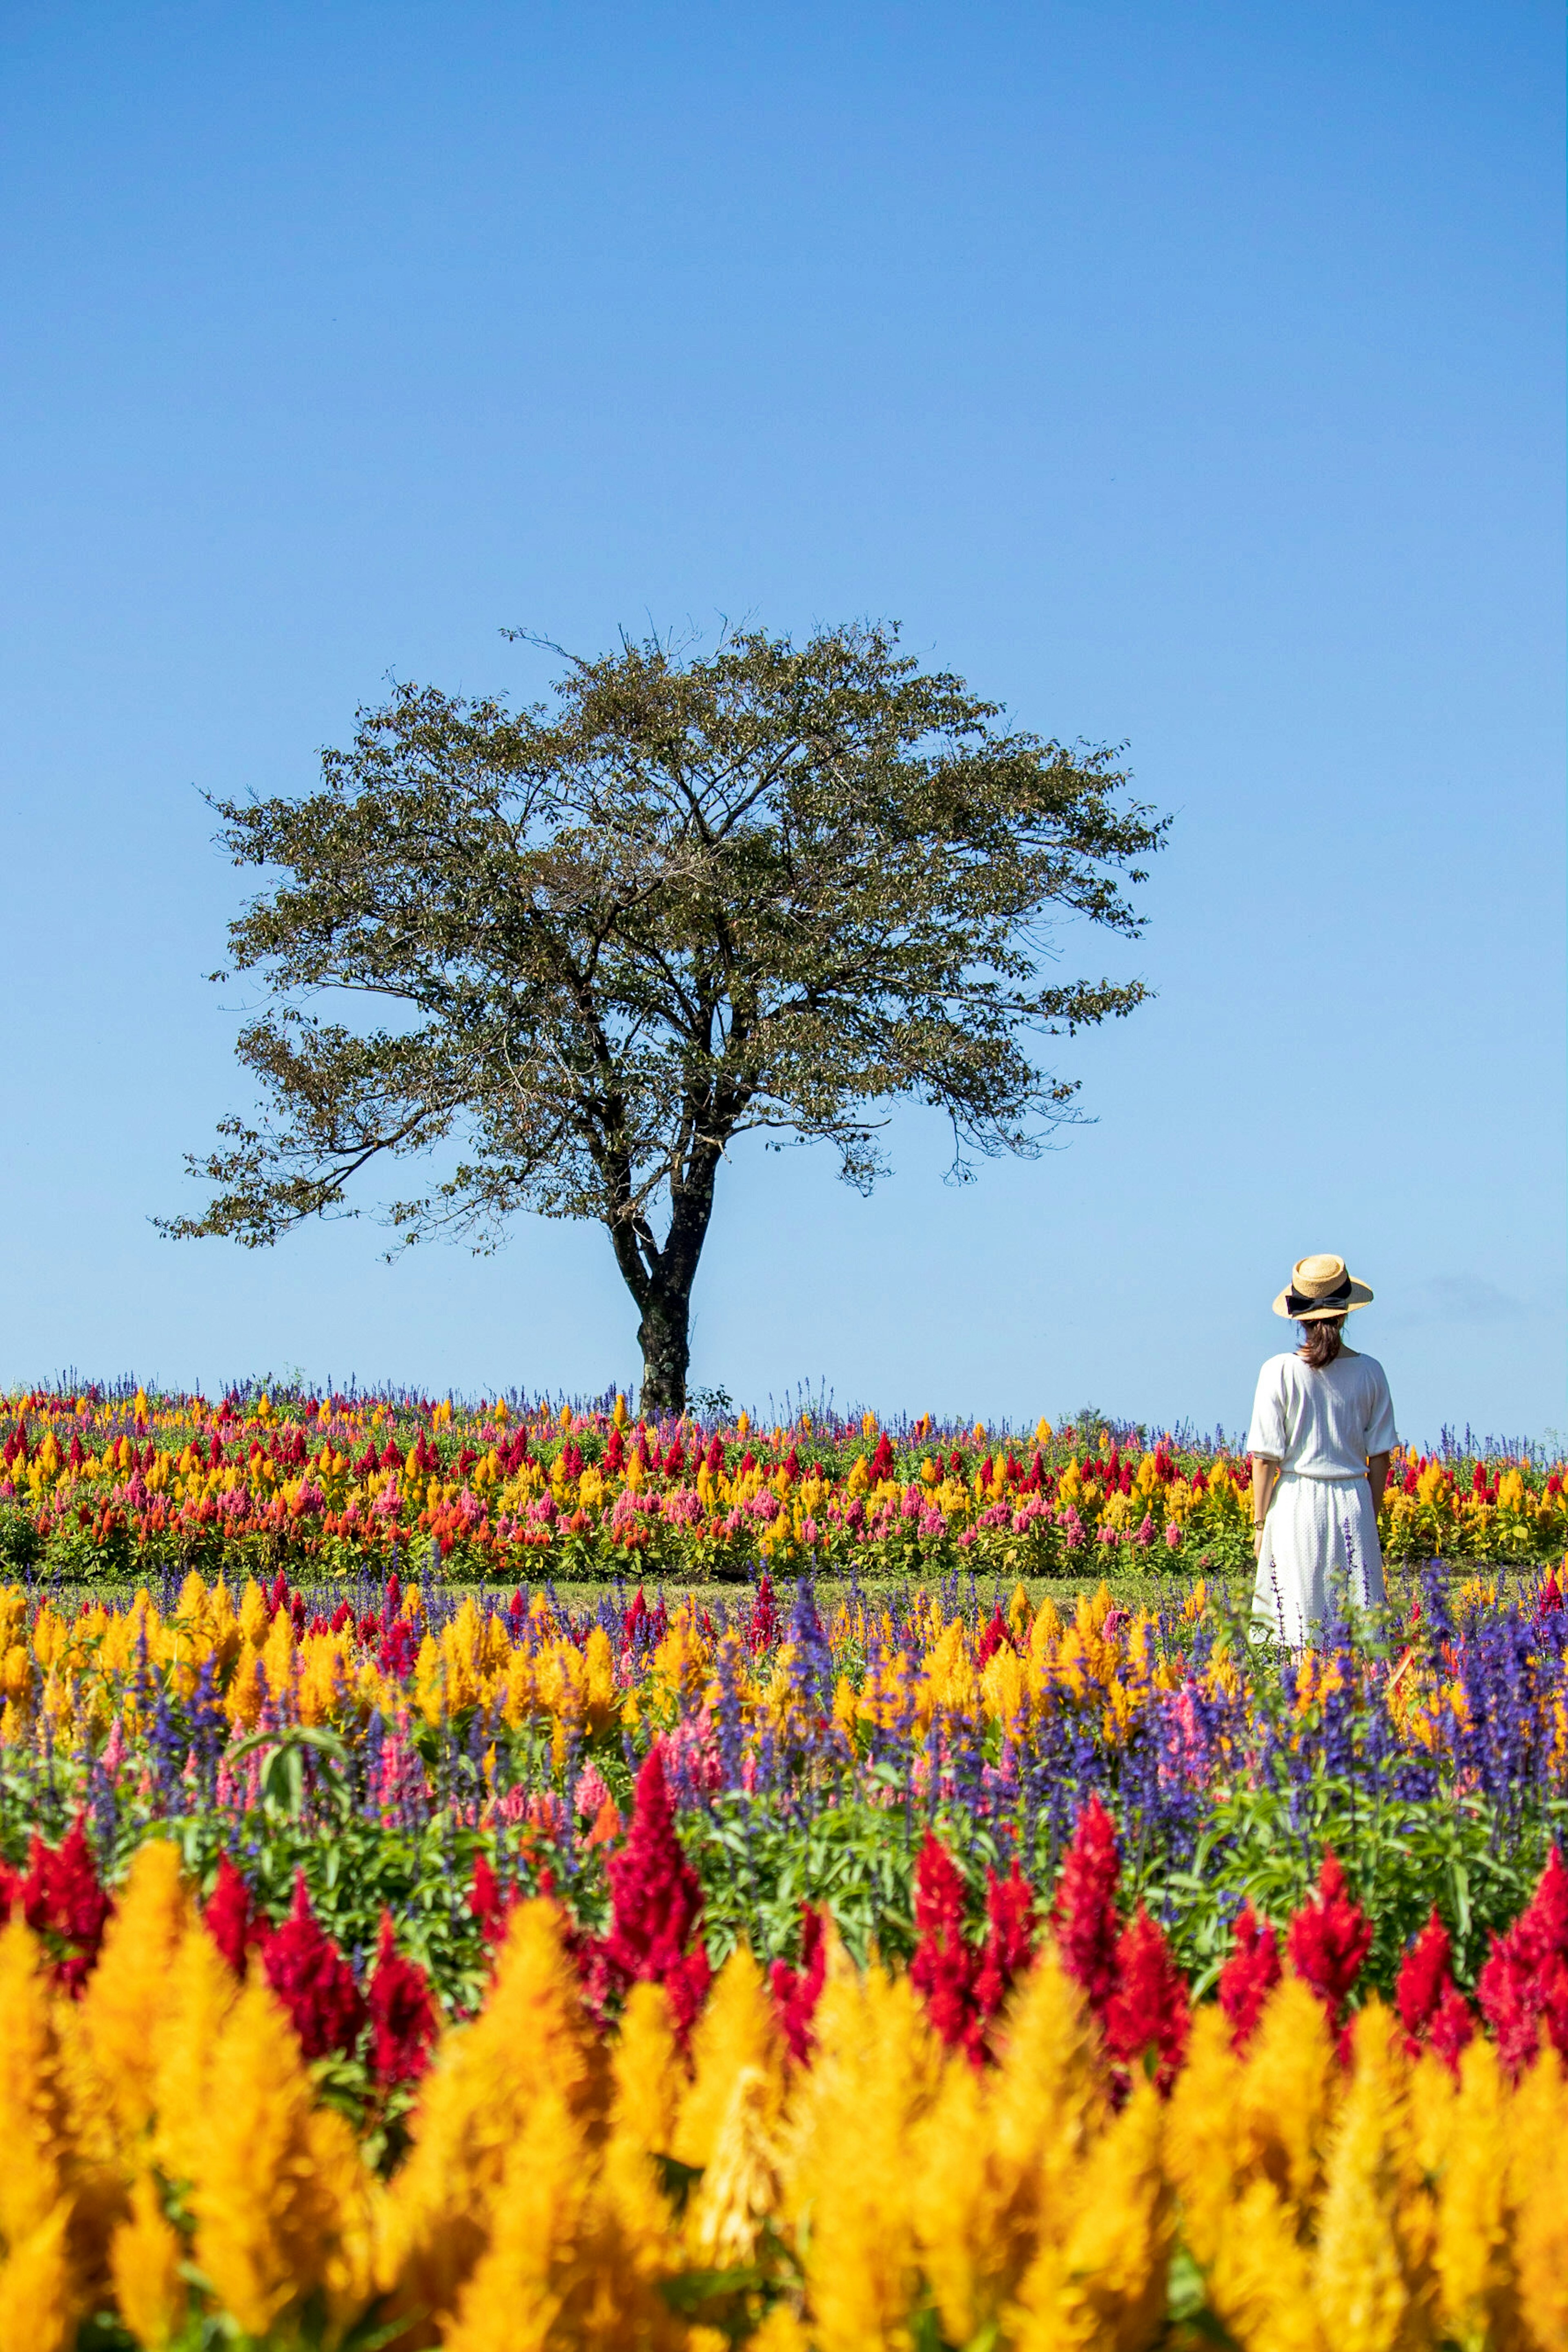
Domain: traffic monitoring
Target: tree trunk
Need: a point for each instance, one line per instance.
(663, 1336)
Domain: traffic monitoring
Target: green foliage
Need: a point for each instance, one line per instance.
(768, 888)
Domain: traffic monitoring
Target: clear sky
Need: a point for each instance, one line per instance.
(1186, 375)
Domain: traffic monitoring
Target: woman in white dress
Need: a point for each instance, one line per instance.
(1322, 1431)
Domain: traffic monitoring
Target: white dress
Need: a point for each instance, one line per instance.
(1320, 1426)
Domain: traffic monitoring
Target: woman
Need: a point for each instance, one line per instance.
(1322, 1431)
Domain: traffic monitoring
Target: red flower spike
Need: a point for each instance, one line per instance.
(1424, 1975)
(61, 1899)
(1524, 1984)
(1085, 1917)
(945, 1967)
(1329, 1938)
(486, 1902)
(998, 1635)
(1010, 1944)
(796, 1991)
(656, 1903)
(313, 1980)
(1149, 2010)
(403, 2023)
(1251, 1971)
(230, 1922)
(1452, 2029)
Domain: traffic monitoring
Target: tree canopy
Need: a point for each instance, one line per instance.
(765, 887)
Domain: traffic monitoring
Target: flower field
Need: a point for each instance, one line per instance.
(433, 1921)
(132, 1487)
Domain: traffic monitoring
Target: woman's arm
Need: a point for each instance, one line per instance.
(1377, 1476)
(1265, 1479)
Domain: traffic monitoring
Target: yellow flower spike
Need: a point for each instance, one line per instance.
(961, 2220)
(527, 2287)
(875, 2071)
(270, 2224)
(200, 1994)
(1472, 2255)
(34, 2128)
(126, 1993)
(737, 2034)
(648, 2073)
(1259, 2284)
(530, 2038)
(1288, 2090)
(37, 2301)
(1539, 2158)
(1369, 2277)
(253, 1614)
(145, 2256)
(1104, 2289)
(1206, 2136)
(1049, 2106)
(621, 1417)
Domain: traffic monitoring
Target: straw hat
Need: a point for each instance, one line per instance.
(1320, 1287)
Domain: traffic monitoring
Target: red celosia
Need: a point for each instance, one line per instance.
(1329, 1938)
(313, 1980)
(230, 1922)
(1251, 1971)
(796, 1991)
(997, 1636)
(1085, 1917)
(1423, 1974)
(489, 1906)
(945, 1965)
(62, 1900)
(1524, 1984)
(403, 2023)
(763, 1630)
(655, 1904)
(1148, 2009)
(1009, 1944)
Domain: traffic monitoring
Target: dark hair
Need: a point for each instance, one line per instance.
(1321, 1341)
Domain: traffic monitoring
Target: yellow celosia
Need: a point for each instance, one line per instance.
(1370, 2280)
(847, 2186)
(1103, 2289)
(37, 2301)
(737, 2033)
(1539, 2161)
(126, 1994)
(533, 2264)
(145, 2256)
(272, 2224)
(1473, 2254)
(530, 2038)
(35, 2137)
(198, 1997)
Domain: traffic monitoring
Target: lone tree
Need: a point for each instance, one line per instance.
(772, 887)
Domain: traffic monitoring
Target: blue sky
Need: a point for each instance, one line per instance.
(1186, 376)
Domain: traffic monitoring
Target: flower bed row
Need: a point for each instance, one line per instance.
(93, 1486)
(1030, 2138)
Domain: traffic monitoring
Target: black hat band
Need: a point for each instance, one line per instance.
(1297, 1302)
